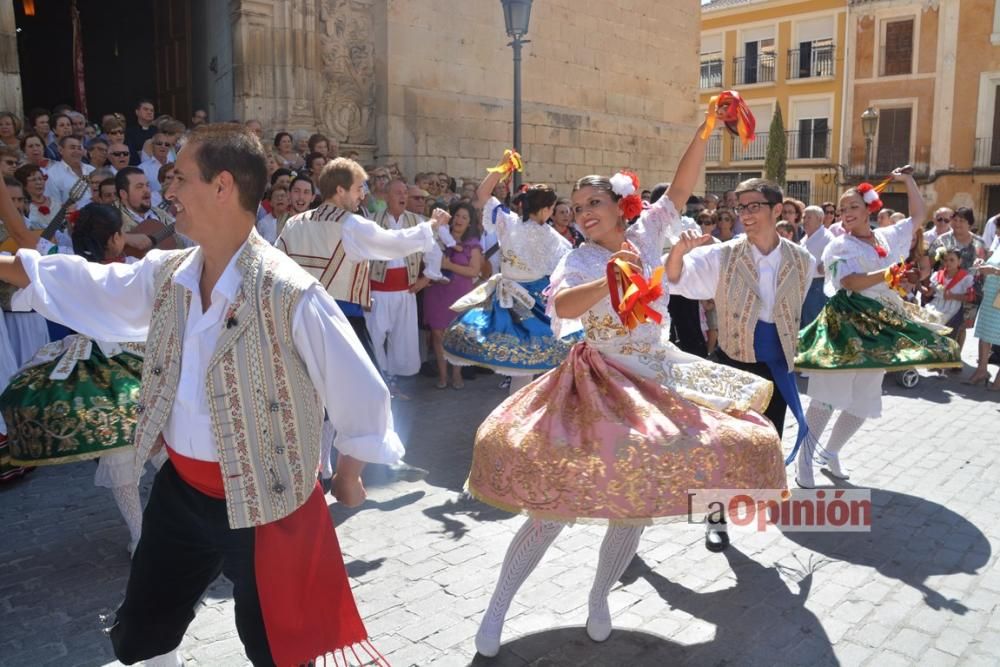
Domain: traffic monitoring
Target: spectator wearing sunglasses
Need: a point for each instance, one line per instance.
(942, 224)
(161, 156)
(118, 156)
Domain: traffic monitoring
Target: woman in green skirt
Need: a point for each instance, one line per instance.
(865, 328)
(75, 399)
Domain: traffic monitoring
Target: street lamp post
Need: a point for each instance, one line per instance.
(869, 124)
(516, 17)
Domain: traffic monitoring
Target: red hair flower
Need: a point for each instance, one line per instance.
(870, 196)
(625, 184)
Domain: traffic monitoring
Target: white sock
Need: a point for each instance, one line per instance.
(817, 417)
(127, 499)
(843, 430)
(617, 549)
(523, 555)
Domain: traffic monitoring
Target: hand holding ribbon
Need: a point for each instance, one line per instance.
(510, 163)
(732, 109)
(899, 273)
(631, 292)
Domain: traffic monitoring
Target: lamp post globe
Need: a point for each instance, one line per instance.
(516, 17)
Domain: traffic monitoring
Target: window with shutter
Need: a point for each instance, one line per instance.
(893, 139)
(897, 52)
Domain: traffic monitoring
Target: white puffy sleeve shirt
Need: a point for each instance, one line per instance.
(114, 302)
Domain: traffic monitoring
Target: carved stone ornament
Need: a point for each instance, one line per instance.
(347, 109)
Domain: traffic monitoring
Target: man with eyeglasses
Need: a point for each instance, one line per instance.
(118, 156)
(161, 155)
(942, 225)
(759, 282)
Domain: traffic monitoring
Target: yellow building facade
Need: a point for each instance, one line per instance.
(932, 71)
(787, 53)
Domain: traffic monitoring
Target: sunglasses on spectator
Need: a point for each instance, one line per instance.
(707, 222)
(941, 218)
(10, 163)
(829, 211)
(118, 131)
(120, 153)
(161, 143)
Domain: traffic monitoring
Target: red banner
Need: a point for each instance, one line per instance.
(80, 86)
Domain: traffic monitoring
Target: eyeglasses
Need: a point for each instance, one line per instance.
(119, 131)
(750, 208)
(120, 153)
(10, 163)
(707, 222)
(943, 219)
(161, 143)
(829, 211)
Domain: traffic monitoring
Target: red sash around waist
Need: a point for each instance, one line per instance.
(305, 597)
(396, 280)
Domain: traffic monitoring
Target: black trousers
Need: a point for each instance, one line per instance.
(186, 543)
(685, 325)
(777, 407)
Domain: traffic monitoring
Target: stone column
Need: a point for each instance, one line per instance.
(346, 81)
(10, 69)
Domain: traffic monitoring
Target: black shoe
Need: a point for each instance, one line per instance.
(716, 537)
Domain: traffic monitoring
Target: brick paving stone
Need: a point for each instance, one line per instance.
(922, 588)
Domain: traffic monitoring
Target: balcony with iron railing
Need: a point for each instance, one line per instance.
(755, 150)
(813, 145)
(987, 153)
(884, 159)
(711, 71)
(814, 62)
(754, 69)
(713, 149)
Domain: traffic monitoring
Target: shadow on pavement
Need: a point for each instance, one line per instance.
(340, 513)
(571, 646)
(759, 605)
(464, 506)
(911, 539)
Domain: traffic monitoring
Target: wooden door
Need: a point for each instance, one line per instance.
(173, 58)
(893, 140)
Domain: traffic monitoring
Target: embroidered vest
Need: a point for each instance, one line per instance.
(378, 268)
(266, 414)
(738, 302)
(313, 240)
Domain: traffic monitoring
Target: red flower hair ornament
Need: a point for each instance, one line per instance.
(870, 195)
(625, 184)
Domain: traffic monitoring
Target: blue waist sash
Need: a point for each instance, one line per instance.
(767, 350)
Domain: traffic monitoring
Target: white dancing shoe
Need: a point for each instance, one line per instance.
(832, 465)
(488, 642)
(599, 623)
(804, 475)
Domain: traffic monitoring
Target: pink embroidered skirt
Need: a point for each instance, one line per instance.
(623, 438)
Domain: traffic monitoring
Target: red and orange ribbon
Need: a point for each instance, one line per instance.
(631, 293)
(732, 109)
(510, 163)
(894, 276)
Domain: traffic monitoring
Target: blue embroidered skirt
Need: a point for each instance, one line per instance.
(513, 341)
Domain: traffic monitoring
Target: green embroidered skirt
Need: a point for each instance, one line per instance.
(89, 413)
(854, 332)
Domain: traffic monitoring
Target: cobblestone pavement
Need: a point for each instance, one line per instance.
(921, 588)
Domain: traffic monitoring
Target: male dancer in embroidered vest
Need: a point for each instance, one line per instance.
(392, 320)
(334, 244)
(759, 282)
(243, 351)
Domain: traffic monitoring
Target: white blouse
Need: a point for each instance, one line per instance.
(528, 251)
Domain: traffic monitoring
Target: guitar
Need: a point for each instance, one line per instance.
(162, 234)
(58, 221)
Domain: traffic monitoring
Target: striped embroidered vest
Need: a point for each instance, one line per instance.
(738, 303)
(266, 414)
(313, 240)
(378, 268)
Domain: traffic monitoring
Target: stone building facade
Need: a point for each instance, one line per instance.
(428, 83)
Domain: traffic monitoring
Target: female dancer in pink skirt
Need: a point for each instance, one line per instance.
(628, 423)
